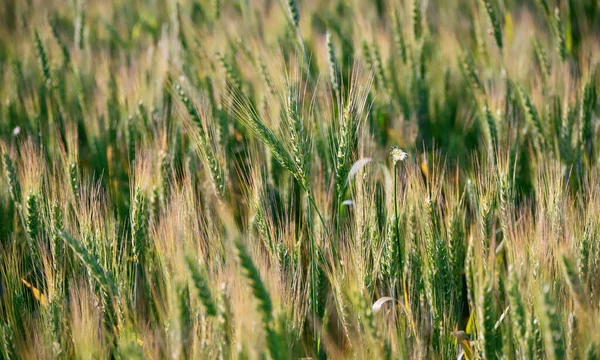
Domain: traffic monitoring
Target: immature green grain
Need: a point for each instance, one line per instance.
(417, 19)
(334, 75)
(293, 13)
(63, 47)
(216, 9)
(554, 340)
(42, 57)
(399, 41)
(366, 52)
(251, 119)
(457, 247)
(586, 109)
(570, 275)
(231, 73)
(517, 305)
(559, 30)
(201, 284)
(542, 60)
(261, 294)
(33, 215)
(139, 224)
(186, 324)
(266, 76)
(532, 115)
(390, 252)
(57, 248)
(299, 140)
(95, 270)
(492, 340)
(260, 222)
(378, 68)
(14, 187)
(488, 124)
(143, 112)
(592, 352)
(494, 16)
(583, 258)
(216, 170)
(224, 321)
(7, 341)
(80, 25)
(345, 145)
(131, 138)
(73, 178)
(543, 4)
(258, 288)
(471, 74)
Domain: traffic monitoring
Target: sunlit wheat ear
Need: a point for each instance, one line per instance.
(91, 263)
(248, 116)
(344, 152)
(298, 137)
(80, 25)
(334, 78)
(201, 136)
(561, 47)
(494, 17)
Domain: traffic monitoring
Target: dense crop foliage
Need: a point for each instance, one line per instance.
(300, 178)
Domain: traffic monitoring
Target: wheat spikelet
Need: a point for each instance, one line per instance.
(201, 285)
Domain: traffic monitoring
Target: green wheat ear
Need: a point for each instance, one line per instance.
(554, 339)
(399, 37)
(299, 139)
(334, 77)
(265, 306)
(201, 284)
(258, 288)
(139, 224)
(14, 187)
(571, 276)
(92, 264)
(33, 215)
(417, 19)
(494, 18)
(293, 12)
(43, 61)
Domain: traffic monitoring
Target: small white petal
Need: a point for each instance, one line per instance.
(348, 202)
(357, 166)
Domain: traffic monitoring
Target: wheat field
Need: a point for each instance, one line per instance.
(287, 179)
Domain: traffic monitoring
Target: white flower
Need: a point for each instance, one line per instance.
(398, 154)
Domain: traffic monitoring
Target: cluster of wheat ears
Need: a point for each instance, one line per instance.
(284, 179)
